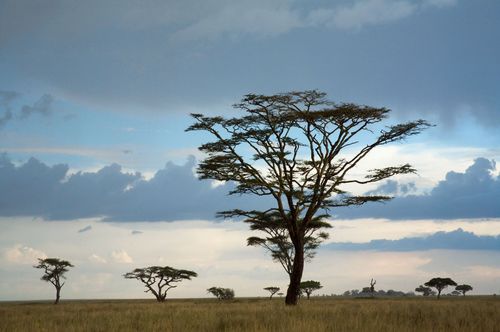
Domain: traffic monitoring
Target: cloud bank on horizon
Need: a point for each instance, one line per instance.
(175, 193)
(454, 240)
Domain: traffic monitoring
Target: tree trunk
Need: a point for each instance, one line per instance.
(58, 295)
(292, 294)
(439, 293)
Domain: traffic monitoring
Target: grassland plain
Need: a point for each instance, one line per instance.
(318, 314)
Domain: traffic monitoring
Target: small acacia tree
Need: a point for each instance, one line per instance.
(426, 291)
(440, 284)
(273, 290)
(221, 293)
(159, 280)
(464, 288)
(297, 144)
(54, 270)
(309, 286)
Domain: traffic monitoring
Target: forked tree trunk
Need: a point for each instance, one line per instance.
(292, 294)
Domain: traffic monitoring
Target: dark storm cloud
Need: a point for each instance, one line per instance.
(472, 194)
(454, 240)
(415, 56)
(174, 193)
(35, 189)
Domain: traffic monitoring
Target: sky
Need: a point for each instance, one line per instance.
(96, 166)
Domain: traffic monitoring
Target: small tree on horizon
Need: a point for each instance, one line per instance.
(426, 291)
(221, 293)
(54, 270)
(310, 286)
(159, 280)
(273, 290)
(440, 284)
(464, 288)
(290, 148)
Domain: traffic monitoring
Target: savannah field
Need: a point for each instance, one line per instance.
(471, 313)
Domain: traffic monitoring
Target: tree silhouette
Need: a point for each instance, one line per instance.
(159, 280)
(426, 291)
(372, 286)
(273, 290)
(221, 293)
(440, 284)
(296, 142)
(309, 286)
(277, 240)
(54, 270)
(463, 288)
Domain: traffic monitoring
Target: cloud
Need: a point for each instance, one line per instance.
(121, 256)
(6, 98)
(173, 193)
(362, 13)
(454, 240)
(370, 12)
(97, 259)
(85, 229)
(135, 232)
(42, 106)
(20, 254)
(472, 194)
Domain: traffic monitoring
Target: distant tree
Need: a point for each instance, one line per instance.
(158, 280)
(221, 293)
(372, 287)
(273, 290)
(54, 270)
(280, 294)
(463, 288)
(426, 291)
(289, 148)
(455, 293)
(440, 284)
(310, 286)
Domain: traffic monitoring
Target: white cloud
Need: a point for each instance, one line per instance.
(370, 12)
(97, 259)
(121, 256)
(359, 14)
(20, 254)
(265, 19)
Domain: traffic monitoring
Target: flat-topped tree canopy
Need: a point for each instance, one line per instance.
(160, 279)
(291, 147)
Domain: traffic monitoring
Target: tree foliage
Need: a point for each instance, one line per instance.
(221, 293)
(158, 280)
(273, 290)
(309, 286)
(426, 291)
(54, 270)
(440, 284)
(297, 158)
(464, 288)
(278, 242)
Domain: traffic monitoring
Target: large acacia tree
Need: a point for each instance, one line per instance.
(158, 280)
(292, 148)
(54, 270)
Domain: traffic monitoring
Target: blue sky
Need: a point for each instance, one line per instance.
(95, 97)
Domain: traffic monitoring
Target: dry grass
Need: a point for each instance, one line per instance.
(319, 314)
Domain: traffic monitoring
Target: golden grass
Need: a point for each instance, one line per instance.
(317, 314)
